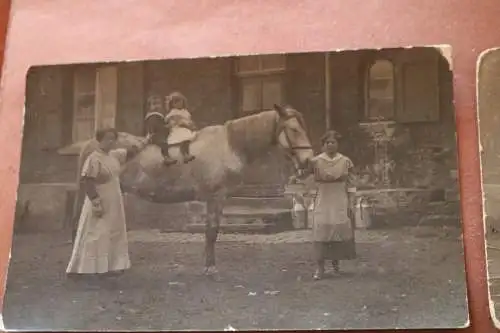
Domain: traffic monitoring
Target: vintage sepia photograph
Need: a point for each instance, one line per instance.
(488, 100)
(273, 191)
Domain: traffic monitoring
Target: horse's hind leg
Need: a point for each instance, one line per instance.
(212, 223)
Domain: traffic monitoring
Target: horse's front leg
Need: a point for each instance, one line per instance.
(212, 223)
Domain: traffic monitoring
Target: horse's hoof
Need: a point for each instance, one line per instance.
(189, 159)
(318, 275)
(210, 271)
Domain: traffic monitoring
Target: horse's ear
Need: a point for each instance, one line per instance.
(281, 111)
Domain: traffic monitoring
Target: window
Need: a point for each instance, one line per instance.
(84, 104)
(95, 97)
(405, 89)
(380, 91)
(261, 81)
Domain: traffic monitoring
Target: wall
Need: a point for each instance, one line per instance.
(306, 91)
(210, 87)
(212, 90)
(420, 147)
(424, 152)
(49, 116)
(205, 82)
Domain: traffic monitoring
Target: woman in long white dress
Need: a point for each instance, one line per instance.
(333, 226)
(101, 246)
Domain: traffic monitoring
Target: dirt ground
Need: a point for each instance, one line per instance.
(403, 278)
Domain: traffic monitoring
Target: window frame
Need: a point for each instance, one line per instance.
(260, 75)
(77, 75)
(97, 114)
(366, 90)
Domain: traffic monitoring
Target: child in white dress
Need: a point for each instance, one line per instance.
(181, 129)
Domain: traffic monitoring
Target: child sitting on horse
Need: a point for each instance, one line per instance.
(176, 125)
(157, 131)
(179, 123)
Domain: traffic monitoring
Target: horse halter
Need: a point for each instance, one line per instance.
(291, 149)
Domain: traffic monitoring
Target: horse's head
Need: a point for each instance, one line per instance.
(292, 136)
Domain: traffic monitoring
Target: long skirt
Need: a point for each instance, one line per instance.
(345, 250)
(101, 244)
(333, 226)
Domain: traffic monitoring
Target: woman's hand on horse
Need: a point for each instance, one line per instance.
(134, 150)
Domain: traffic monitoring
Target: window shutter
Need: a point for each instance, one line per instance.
(251, 95)
(49, 100)
(106, 96)
(380, 94)
(84, 104)
(130, 110)
(272, 92)
(273, 62)
(420, 92)
(248, 64)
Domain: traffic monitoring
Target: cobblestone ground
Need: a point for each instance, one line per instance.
(405, 278)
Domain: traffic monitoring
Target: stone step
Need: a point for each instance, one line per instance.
(244, 211)
(257, 218)
(443, 207)
(440, 219)
(260, 228)
(243, 219)
(264, 202)
(258, 190)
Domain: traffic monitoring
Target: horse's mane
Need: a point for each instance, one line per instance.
(292, 113)
(250, 134)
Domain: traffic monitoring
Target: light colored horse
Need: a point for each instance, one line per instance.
(221, 152)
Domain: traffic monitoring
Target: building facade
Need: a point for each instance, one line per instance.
(393, 107)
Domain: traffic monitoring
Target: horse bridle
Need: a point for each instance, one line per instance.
(291, 149)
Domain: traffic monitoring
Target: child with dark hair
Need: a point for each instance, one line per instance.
(158, 134)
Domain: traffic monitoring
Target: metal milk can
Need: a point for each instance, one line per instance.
(362, 213)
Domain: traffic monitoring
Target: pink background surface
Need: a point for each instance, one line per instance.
(68, 31)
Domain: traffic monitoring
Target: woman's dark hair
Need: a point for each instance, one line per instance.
(99, 134)
(329, 135)
(175, 96)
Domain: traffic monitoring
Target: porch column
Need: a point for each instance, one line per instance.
(327, 90)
